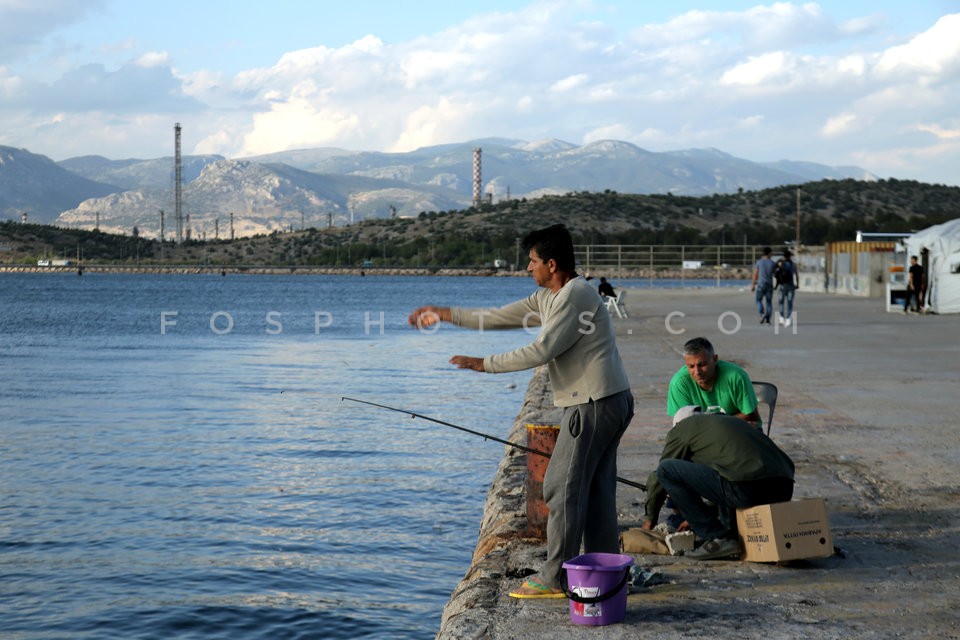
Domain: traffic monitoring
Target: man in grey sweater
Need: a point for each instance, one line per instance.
(577, 343)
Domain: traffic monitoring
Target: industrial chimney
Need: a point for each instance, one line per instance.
(177, 194)
(476, 177)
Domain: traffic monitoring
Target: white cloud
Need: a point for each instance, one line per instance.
(617, 131)
(432, 124)
(940, 132)
(292, 124)
(25, 23)
(153, 59)
(854, 65)
(782, 79)
(526, 104)
(759, 70)
(934, 52)
(568, 84)
(841, 124)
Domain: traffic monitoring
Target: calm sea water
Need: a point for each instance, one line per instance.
(176, 459)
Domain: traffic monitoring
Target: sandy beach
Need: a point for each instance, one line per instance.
(867, 412)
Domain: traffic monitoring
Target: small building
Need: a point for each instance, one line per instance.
(861, 268)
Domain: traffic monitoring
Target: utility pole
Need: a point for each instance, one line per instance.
(796, 247)
(161, 226)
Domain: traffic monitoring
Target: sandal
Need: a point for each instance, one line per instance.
(533, 589)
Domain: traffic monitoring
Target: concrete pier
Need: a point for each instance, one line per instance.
(868, 411)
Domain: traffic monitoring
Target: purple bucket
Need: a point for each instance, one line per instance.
(597, 587)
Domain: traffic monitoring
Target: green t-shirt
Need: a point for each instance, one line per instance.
(732, 394)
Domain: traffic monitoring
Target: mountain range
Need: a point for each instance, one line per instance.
(327, 186)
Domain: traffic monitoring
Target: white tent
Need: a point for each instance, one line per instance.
(942, 243)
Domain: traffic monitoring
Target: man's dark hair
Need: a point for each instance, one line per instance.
(767, 251)
(697, 346)
(553, 243)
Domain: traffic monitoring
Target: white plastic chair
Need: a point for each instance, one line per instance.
(766, 393)
(615, 305)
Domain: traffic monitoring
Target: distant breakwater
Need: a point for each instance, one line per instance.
(676, 274)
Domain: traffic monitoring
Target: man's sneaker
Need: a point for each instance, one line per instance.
(715, 549)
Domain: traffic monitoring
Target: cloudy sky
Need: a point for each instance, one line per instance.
(869, 83)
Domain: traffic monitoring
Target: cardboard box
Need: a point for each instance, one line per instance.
(785, 531)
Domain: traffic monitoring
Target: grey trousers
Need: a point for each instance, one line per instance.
(580, 485)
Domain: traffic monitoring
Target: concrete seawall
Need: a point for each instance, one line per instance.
(503, 548)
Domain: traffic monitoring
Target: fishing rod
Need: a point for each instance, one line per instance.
(485, 436)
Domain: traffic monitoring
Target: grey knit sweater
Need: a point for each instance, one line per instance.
(576, 341)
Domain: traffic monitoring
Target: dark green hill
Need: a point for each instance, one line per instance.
(829, 210)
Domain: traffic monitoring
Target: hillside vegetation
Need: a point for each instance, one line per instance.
(829, 211)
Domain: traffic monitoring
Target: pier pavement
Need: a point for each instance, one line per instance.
(867, 409)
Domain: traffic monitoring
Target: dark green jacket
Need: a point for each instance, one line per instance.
(736, 449)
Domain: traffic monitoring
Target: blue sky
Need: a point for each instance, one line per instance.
(871, 84)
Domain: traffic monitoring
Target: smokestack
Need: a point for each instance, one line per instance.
(177, 193)
(476, 177)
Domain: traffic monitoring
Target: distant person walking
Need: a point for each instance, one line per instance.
(763, 285)
(787, 282)
(915, 285)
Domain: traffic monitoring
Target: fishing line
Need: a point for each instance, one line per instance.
(485, 436)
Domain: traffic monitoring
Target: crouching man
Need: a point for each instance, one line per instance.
(721, 459)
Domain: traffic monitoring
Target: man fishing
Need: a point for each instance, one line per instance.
(589, 383)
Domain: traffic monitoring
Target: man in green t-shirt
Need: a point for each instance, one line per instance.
(714, 385)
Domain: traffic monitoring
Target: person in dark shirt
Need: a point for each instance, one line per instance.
(787, 283)
(914, 285)
(606, 289)
(724, 460)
